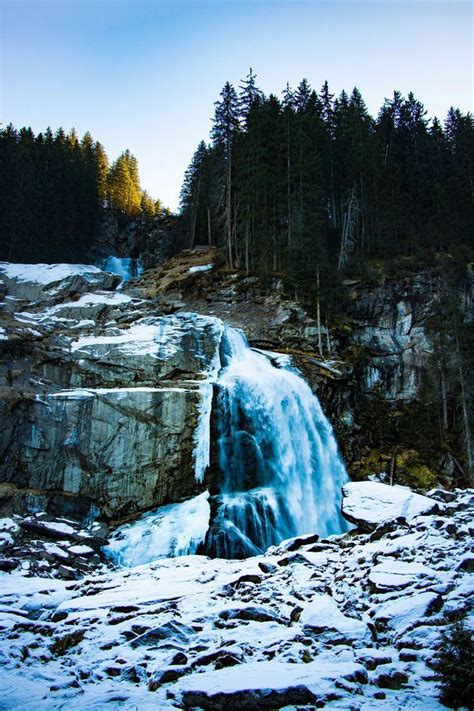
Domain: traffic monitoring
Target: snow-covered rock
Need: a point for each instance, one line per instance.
(268, 685)
(397, 574)
(336, 627)
(41, 282)
(323, 617)
(404, 613)
(369, 504)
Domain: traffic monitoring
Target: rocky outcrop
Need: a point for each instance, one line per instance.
(46, 282)
(102, 395)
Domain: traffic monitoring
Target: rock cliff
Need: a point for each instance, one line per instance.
(102, 395)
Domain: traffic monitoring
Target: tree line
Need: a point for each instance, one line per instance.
(56, 190)
(311, 185)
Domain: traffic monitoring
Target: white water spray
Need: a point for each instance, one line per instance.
(281, 470)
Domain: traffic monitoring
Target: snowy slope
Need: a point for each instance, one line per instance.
(350, 622)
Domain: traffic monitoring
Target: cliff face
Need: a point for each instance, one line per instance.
(375, 358)
(101, 396)
(388, 322)
(104, 392)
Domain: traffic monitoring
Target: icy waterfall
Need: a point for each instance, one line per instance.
(281, 472)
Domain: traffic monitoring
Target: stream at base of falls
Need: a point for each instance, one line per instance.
(281, 473)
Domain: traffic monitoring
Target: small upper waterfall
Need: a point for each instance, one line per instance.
(281, 472)
(126, 267)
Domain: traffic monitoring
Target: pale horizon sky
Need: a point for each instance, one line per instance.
(144, 74)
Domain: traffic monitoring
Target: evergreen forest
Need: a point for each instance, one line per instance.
(58, 192)
(311, 185)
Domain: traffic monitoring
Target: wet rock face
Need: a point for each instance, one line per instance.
(101, 396)
(125, 450)
(388, 321)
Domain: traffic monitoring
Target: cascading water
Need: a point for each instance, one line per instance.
(281, 472)
(126, 267)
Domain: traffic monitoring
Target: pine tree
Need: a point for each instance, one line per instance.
(123, 186)
(249, 95)
(225, 127)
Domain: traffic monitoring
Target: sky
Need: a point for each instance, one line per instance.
(144, 74)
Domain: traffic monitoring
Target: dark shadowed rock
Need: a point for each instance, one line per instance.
(172, 630)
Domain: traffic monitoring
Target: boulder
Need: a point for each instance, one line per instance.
(402, 614)
(322, 617)
(398, 574)
(369, 504)
(267, 685)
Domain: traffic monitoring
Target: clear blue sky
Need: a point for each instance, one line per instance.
(144, 75)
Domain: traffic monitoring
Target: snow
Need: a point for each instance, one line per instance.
(322, 614)
(106, 298)
(135, 620)
(83, 323)
(58, 527)
(201, 268)
(318, 677)
(80, 550)
(370, 503)
(399, 574)
(56, 550)
(45, 273)
(3, 335)
(401, 614)
(157, 339)
(176, 529)
(82, 393)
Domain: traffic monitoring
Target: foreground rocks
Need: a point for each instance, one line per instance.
(349, 622)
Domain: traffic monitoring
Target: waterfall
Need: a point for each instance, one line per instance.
(281, 472)
(126, 267)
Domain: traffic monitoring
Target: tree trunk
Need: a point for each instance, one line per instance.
(393, 465)
(465, 413)
(194, 215)
(444, 398)
(318, 316)
(209, 234)
(288, 181)
(229, 205)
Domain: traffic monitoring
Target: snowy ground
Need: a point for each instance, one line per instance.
(345, 623)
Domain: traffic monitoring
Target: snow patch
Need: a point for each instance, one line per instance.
(45, 273)
(368, 503)
(201, 268)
